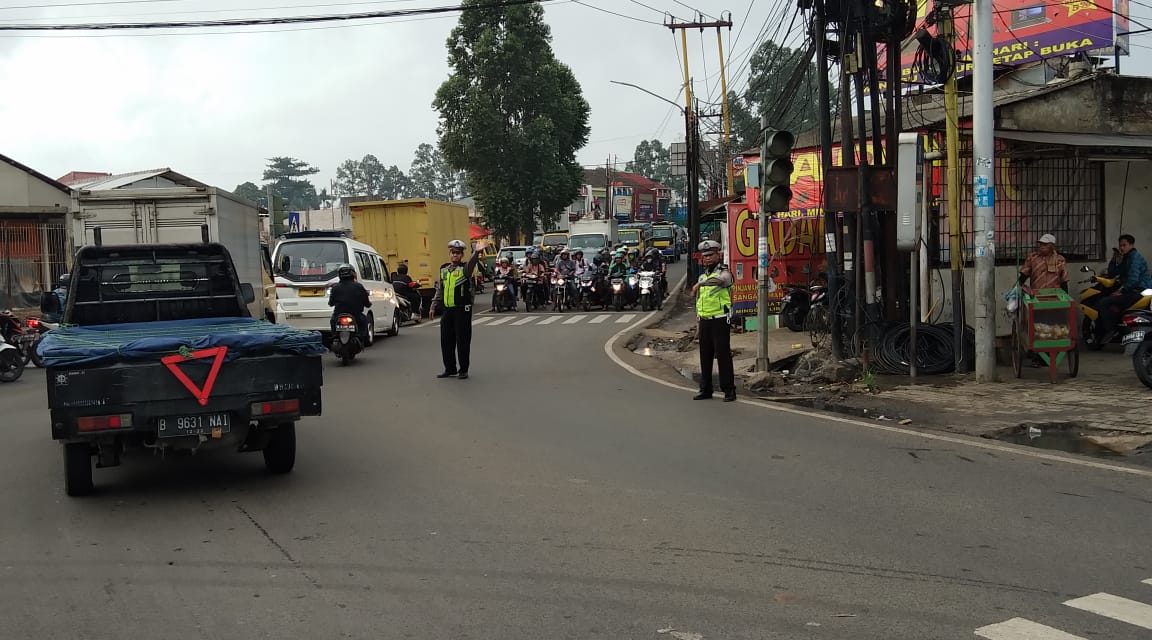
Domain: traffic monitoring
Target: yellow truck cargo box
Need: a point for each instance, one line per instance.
(416, 230)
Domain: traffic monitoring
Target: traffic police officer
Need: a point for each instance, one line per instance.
(713, 304)
(453, 299)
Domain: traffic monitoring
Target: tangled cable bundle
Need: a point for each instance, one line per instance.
(934, 352)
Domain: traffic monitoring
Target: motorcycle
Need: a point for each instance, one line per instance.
(559, 293)
(33, 334)
(11, 362)
(532, 292)
(346, 341)
(1096, 293)
(619, 293)
(650, 297)
(1139, 340)
(408, 302)
(502, 295)
(12, 330)
(799, 303)
(587, 291)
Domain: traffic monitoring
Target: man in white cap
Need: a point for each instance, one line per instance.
(1045, 268)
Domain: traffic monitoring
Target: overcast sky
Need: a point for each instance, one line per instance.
(214, 104)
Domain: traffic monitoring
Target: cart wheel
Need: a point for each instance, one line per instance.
(1017, 351)
(1073, 357)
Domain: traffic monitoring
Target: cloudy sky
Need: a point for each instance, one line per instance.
(215, 103)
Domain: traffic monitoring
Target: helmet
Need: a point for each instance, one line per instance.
(598, 260)
(634, 251)
(709, 245)
(563, 252)
(346, 272)
(619, 253)
(505, 260)
(651, 253)
(64, 280)
(456, 244)
(578, 252)
(402, 269)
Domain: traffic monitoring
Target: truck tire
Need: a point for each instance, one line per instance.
(77, 469)
(280, 452)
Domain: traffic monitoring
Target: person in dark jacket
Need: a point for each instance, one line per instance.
(349, 296)
(453, 299)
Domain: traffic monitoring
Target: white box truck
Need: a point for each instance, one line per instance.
(591, 236)
(173, 215)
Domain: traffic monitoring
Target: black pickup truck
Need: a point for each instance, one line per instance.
(157, 352)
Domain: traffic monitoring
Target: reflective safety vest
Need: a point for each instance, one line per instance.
(449, 280)
(712, 301)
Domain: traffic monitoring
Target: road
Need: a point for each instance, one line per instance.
(557, 495)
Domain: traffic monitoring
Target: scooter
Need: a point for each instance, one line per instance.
(798, 303)
(346, 342)
(587, 290)
(408, 302)
(12, 330)
(33, 334)
(530, 290)
(559, 293)
(619, 293)
(1096, 293)
(11, 362)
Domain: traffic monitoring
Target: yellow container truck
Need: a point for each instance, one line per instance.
(416, 231)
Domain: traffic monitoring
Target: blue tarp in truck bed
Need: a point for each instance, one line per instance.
(150, 341)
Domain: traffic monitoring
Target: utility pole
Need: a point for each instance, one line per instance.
(984, 191)
(271, 212)
(955, 237)
(825, 130)
(726, 152)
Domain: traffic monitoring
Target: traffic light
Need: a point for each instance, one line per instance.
(776, 174)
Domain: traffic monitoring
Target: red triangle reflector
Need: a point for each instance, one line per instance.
(200, 393)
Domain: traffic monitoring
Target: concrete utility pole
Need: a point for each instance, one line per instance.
(984, 191)
(271, 212)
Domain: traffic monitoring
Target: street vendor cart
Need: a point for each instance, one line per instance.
(1045, 324)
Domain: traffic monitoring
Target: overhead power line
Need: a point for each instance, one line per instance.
(248, 22)
(619, 15)
(83, 4)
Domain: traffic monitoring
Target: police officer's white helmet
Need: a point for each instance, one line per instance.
(456, 244)
(709, 245)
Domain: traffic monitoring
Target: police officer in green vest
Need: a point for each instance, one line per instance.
(713, 292)
(453, 300)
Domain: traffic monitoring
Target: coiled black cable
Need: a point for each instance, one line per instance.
(934, 349)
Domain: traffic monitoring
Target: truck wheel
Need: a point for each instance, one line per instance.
(280, 452)
(77, 469)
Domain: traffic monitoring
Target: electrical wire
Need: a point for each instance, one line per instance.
(202, 11)
(245, 22)
(619, 15)
(83, 4)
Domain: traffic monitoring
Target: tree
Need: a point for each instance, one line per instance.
(286, 176)
(251, 193)
(512, 116)
(369, 177)
(771, 67)
(653, 160)
(430, 175)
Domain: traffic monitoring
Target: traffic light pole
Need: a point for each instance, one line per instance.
(763, 280)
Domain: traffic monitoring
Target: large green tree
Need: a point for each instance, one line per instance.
(653, 160)
(430, 175)
(512, 116)
(288, 179)
(369, 177)
(772, 65)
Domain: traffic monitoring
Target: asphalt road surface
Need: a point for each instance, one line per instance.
(557, 495)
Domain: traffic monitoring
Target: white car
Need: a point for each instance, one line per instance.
(519, 254)
(306, 264)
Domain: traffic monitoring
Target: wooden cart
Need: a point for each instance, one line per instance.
(1045, 323)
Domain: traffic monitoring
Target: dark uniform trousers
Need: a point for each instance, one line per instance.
(456, 337)
(715, 344)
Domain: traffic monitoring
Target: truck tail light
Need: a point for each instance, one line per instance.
(275, 407)
(104, 423)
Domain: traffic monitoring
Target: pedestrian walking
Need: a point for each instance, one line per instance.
(713, 305)
(453, 300)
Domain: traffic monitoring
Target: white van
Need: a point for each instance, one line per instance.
(306, 265)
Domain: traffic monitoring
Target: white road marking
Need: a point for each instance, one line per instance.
(975, 443)
(574, 319)
(499, 321)
(1148, 581)
(599, 319)
(1021, 629)
(626, 318)
(1115, 607)
(550, 319)
(523, 321)
(476, 321)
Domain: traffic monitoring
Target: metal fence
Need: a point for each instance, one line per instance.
(33, 254)
(1037, 192)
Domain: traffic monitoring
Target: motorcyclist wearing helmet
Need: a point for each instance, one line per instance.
(565, 267)
(634, 258)
(618, 268)
(713, 293)
(581, 263)
(505, 269)
(453, 299)
(349, 296)
(403, 285)
(653, 261)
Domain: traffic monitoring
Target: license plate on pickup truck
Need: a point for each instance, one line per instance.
(311, 293)
(1135, 336)
(196, 425)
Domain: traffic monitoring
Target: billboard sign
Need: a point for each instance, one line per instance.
(1026, 31)
(795, 250)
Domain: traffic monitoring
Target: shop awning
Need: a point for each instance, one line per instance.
(1107, 141)
(475, 232)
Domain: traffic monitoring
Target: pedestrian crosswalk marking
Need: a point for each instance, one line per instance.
(1021, 629)
(499, 321)
(550, 319)
(1148, 581)
(574, 319)
(600, 318)
(1115, 607)
(523, 321)
(626, 318)
(477, 321)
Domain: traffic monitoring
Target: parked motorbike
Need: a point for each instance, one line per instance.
(1095, 294)
(798, 304)
(502, 295)
(11, 362)
(346, 341)
(650, 295)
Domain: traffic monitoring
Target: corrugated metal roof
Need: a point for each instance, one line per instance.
(123, 180)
